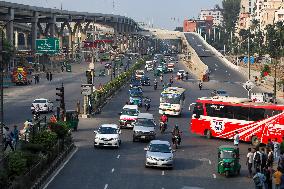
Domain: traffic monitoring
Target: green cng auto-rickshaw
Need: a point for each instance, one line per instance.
(228, 160)
(72, 119)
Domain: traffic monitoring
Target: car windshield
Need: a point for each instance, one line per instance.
(163, 148)
(221, 92)
(107, 130)
(145, 123)
(181, 71)
(130, 112)
(39, 101)
(227, 154)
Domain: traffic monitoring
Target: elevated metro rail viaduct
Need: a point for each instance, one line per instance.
(51, 22)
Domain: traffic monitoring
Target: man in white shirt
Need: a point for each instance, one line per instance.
(236, 139)
(249, 162)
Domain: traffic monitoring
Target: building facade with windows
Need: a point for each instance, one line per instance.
(215, 14)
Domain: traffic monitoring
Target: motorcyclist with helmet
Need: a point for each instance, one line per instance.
(176, 133)
(155, 84)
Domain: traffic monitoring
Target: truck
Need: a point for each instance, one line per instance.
(262, 97)
(20, 76)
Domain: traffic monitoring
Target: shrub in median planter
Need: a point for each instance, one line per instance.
(31, 147)
(17, 163)
(45, 138)
(4, 179)
(61, 128)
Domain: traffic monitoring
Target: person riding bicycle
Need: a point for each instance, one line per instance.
(176, 132)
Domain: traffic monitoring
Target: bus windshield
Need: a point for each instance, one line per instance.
(166, 99)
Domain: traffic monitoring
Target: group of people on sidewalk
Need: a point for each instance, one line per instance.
(10, 138)
(262, 160)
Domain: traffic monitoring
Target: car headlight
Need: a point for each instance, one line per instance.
(115, 139)
(149, 157)
(152, 132)
(169, 159)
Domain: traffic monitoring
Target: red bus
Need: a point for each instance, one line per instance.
(220, 117)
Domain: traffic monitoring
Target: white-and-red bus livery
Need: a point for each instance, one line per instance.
(255, 122)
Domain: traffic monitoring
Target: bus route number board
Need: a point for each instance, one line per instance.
(217, 125)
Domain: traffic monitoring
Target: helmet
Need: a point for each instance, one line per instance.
(176, 126)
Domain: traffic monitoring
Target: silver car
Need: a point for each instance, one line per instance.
(159, 154)
(144, 127)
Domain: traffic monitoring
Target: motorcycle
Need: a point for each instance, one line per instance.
(176, 141)
(147, 104)
(200, 86)
(155, 86)
(163, 127)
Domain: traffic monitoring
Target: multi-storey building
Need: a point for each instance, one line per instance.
(216, 15)
(248, 6)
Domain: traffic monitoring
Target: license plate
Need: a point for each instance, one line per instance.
(143, 137)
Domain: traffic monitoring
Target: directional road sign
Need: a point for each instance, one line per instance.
(248, 85)
(86, 89)
(47, 46)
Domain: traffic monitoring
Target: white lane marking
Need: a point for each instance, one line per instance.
(214, 176)
(56, 173)
(118, 156)
(226, 71)
(112, 170)
(163, 172)
(106, 186)
(210, 162)
(163, 188)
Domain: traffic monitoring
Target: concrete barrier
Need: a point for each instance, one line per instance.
(196, 65)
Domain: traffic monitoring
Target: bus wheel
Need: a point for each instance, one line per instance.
(208, 134)
(255, 141)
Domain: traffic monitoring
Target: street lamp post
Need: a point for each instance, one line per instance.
(2, 76)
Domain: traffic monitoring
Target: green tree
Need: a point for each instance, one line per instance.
(7, 49)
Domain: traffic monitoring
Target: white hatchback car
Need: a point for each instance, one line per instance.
(108, 135)
(42, 105)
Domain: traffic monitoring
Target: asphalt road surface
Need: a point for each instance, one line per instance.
(18, 99)
(195, 161)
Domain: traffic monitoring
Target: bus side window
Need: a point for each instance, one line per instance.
(256, 114)
(198, 110)
(242, 113)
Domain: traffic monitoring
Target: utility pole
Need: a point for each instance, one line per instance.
(1, 81)
(249, 91)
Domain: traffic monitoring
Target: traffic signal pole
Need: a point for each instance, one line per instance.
(61, 99)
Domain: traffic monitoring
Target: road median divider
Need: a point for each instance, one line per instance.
(105, 92)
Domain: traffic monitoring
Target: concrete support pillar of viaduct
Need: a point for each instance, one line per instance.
(52, 22)
(10, 26)
(34, 30)
(16, 39)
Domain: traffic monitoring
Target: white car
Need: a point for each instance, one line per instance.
(179, 72)
(42, 105)
(128, 115)
(108, 135)
(139, 73)
(159, 154)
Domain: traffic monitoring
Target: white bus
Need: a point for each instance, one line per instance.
(171, 101)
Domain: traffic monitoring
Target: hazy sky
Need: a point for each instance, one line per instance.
(160, 12)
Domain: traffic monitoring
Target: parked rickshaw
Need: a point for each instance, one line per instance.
(72, 119)
(228, 160)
